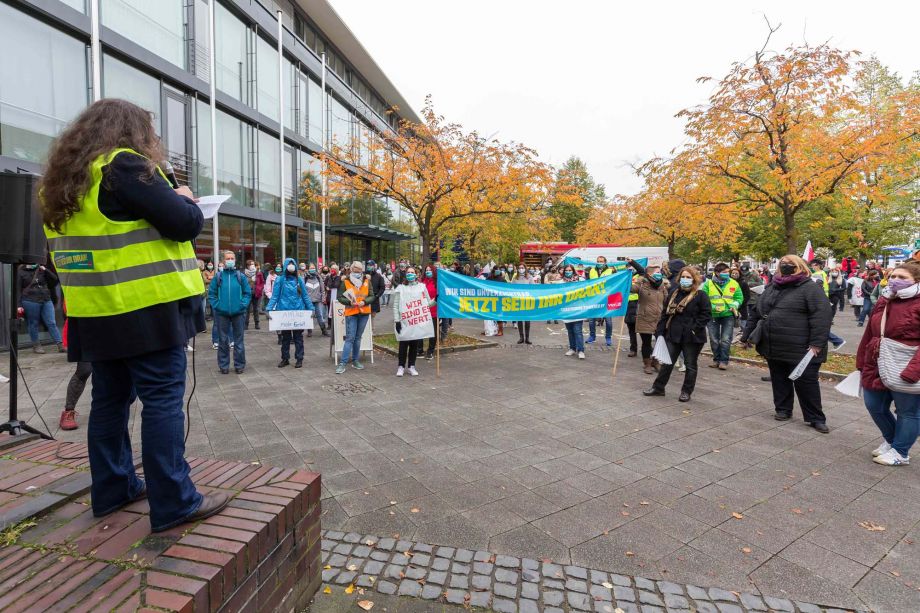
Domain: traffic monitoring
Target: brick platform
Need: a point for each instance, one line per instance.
(262, 553)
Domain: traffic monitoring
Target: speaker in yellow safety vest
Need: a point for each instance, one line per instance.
(723, 299)
(109, 267)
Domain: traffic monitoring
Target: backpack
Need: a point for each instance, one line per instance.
(239, 279)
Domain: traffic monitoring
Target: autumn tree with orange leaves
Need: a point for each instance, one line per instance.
(441, 175)
(787, 130)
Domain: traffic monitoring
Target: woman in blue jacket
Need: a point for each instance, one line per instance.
(290, 294)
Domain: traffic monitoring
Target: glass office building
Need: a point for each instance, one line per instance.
(158, 55)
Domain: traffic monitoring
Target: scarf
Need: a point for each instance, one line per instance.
(678, 307)
(911, 291)
(788, 280)
(356, 279)
(251, 274)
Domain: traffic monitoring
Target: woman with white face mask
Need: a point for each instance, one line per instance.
(355, 293)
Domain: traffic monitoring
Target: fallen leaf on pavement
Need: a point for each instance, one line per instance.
(327, 567)
(391, 502)
(872, 526)
(746, 550)
(352, 567)
(797, 511)
(367, 605)
(350, 589)
(644, 503)
(607, 585)
(328, 590)
(413, 510)
(624, 513)
(629, 553)
(737, 515)
(895, 573)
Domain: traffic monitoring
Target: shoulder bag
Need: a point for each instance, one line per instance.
(756, 334)
(893, 358)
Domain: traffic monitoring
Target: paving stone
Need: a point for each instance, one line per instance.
(334, 535)
(355, 562)
(644, 584)
(780, 604)
(351, 537)
(463, 555)
(440, 564)
(414, 573)
(386, 544)
(528, 606)
(431, 592)
(579, 602)
(361, 551)
(624, 593)
(480, 599)
(755, 603)
(460, 569)
(504, 606)
(720, 594)
(337, 560)
(327, 545)
(676, 601)
(727, 607)
(620, 580)
(552, 570)
(455, 596)
(365, 581)
(574, 585)
(807, 608)
(436, 577)
(483, 568)
(530, 590)
(576, 571)
(422, 547)
(400, 559)
(697, 593)
(403, 546)
(552, 610)
(380, 556)
(445, 552)
(373, 567)
(481, 582)
(599, 592)
(506, 576)
(666, 587)
(647, 608)
(650, 598)
(530, 564)
(628, 607)
(460, 582)
(482, 556)
(598, 577)
(507, 562)
(706, 607)
(421, 559)
(408, 587)
(553, 597)
(530, 575)
(385, 587)
(505, 591)
(329, 574)
(553, 584)
(394, 571)
(346, 577)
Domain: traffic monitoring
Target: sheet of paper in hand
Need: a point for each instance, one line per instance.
(209, 205)
(414, 313)
(290, 320)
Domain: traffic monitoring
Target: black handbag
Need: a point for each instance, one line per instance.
(756, 334)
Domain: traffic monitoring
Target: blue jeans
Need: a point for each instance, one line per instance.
(41, 311)
(576, 335)
(833, 338)
(158, 379)
(865, 311)
(319, 310)
(354, 329)
(215, 338)
(720, 337)
(608, 327)
(227, 325)
(901, 432)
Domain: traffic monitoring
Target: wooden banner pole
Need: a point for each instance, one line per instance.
(440, 339)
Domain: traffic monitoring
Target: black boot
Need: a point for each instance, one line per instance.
(653, 392)
(309, 333)
(283, 363)
(298, 364)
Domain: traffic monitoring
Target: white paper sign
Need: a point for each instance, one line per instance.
(338, 323)
(802, 366)
(210, 204)
(850, 386)
(290, 320)
(661, 352)
(414, 313)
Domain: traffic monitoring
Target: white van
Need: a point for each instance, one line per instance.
(657, 256)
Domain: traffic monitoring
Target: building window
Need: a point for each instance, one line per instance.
(234, 159)
(156, 26)
(290, 96)
(201, 150)
(268, 243)
(315, 112)
(267, 79)
(79, 5)
(200, 44)
(119, 80)
(340, 124)
(43, 84)
(233, 41)
(309, 187)
(269, 179)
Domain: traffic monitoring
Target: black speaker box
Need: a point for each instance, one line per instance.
(22, 237)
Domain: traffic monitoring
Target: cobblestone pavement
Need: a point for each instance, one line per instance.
(520, 451)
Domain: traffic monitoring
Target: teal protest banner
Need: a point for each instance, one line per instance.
(618, 265)
(465, 297)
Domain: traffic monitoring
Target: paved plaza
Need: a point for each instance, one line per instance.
(518, 451)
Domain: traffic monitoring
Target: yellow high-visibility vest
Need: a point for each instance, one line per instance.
(109, 267)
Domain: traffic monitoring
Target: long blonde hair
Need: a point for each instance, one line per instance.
(800, 266)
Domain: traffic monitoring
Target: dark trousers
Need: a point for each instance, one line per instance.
(158, 379)
(805, 387)
(646, 345)
(408, 350)
(77, 384)
(286, 336)
(691, 352)
(524, 330)
(633, 340)
(254, 309)
(440, 329)
(837, 302)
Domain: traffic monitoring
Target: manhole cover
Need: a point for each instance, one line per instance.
(350, 388)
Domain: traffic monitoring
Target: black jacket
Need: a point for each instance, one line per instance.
(378, 286)
(798, 316)
(688, 326)
(36, 285)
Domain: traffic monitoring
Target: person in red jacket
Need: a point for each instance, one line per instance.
(900, 303)
(440, 328)
(257, 285)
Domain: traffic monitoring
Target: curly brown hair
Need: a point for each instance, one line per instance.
(104, 125)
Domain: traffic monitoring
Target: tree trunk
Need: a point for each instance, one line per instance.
(792, 246)
(426, 247)
(671, 242)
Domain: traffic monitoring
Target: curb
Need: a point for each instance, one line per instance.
(836, 376)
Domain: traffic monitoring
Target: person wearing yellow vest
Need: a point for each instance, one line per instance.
(119, 236)
(820, 277)
(725, 297)
(355, 293)
(600, 270)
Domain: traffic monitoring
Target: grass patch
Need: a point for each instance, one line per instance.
(10, 535)
(451, 340)
(836, 362)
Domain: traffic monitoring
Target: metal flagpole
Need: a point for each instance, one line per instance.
(616, 358)
(281, 132)
(212, 92)
(323, 170)
(95, 49)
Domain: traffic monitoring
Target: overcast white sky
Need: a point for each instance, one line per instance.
(601, 79)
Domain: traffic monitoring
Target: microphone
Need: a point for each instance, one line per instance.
(170, 174)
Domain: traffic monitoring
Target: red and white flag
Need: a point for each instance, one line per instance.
(809, 254)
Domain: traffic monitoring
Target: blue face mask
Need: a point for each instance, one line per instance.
(429, 274)
(277, 270)
(686, 283)
(370, 269)
(657, 276)
(569, 273)
(410, 277)
(724, 276)
(230, 264)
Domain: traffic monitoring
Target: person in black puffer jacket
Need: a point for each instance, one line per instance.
(796, 319)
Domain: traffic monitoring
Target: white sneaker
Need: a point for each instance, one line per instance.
(231, 344)
(838, 347)
(570, 352)
(189, 348)
(892, 458)
(682, 368)
(214, 346)
(400, 371)
(412, 371)
(581, 355)
(883, 448)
